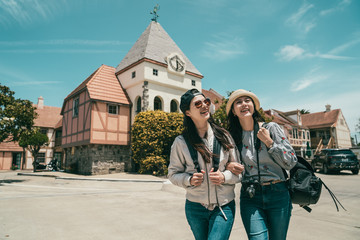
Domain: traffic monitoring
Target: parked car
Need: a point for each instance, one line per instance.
(336, 160)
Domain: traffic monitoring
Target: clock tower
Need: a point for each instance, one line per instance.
(155, 72)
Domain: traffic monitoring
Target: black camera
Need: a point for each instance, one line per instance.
(251, 190)
(250, 187)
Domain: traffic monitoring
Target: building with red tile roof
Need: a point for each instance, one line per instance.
(49, 122)
(328, 129)
(96, 125)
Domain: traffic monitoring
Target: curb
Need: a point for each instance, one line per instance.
(37, 175)
(112, 180)
(94, 179)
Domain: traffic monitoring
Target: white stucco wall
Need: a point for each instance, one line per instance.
(166, 85)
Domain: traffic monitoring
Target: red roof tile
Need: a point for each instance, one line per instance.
(321, 119)
(10, 147)
(47, 116)
(103, 85)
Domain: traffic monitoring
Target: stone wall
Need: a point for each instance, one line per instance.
(98, 159)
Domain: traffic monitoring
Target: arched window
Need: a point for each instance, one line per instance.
(138, 105)
(157, 104)
(173, 106)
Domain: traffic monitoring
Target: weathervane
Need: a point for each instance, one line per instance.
(154, 12)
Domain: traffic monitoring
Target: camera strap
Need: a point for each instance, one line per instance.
(257, 147)
(257, 144)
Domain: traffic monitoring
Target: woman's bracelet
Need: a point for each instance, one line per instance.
(271, 145)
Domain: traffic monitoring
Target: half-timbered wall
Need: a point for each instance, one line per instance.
(109, 128)
(76, 129)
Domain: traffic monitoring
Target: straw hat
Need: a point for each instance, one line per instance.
(241, 93)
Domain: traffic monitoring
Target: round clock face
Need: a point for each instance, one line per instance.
(177, 64)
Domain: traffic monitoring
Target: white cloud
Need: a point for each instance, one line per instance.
(345, 46)
(62, 42)
(332, 57)
(24, 12)
(33, 83)
(15, 78)
(297, 17)
(223, 48)
(32, 51)
(301, 19)
(306, 82)
(292, 52)
(339, 7)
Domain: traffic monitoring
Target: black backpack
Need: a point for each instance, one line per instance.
(305, 187)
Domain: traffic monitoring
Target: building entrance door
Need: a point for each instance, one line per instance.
(16, 160)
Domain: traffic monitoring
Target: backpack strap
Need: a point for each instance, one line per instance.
(216, 152)
(194, 154)
(334, 198)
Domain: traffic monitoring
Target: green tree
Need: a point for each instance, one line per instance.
(267, 118)
(220, 116)
(304, 111)
(33, 140)
(16, 115)
(152, 135)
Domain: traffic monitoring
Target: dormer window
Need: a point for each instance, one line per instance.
(193, 83)
(155, 72)
(133, 74)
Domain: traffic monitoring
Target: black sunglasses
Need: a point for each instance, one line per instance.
(199, 103)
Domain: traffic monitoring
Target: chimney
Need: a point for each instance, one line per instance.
(40, 104)
(328, 107)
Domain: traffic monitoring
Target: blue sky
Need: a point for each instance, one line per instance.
(292, 54)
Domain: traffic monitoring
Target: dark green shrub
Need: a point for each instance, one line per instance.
(152, 135)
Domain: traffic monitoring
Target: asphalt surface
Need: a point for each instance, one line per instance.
(57, 205)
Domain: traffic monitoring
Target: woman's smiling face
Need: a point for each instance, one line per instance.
(243, 107)
(199, 108)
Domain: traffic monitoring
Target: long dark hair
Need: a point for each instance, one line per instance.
(235, 128)
(190, 132)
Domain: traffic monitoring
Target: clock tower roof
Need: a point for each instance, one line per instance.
(154, 44)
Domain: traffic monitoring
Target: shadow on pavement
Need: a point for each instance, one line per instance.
(10, 181)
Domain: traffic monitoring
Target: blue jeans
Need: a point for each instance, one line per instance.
(206, 224)
(267, 214)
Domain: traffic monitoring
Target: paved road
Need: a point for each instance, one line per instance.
(143, 207)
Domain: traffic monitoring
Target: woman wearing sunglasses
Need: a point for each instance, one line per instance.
(196, 166)
(265, 204)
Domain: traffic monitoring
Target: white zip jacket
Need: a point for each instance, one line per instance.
(182, 167)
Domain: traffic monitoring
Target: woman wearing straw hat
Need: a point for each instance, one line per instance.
(265, 204)
(195, 166)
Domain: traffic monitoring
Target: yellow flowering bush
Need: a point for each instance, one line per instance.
(153, 164)
(152, 135)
